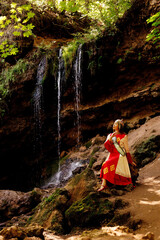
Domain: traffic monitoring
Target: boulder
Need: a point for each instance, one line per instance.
(91, 211)
(50, 212)
(22, 232)
(14, 203)
(81, 185)
(146, 150)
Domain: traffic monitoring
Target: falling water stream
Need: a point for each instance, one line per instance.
(78, 75)
(38, 102)
(59, 82)
(62, 175)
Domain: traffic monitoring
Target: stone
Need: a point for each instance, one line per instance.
(13, 239)
(50, 212)
(117, 192)
(86, 238)
(82, 149)
(148, 236)
(93, 206)
(22, 232)
(34, 230)
(81, 184)
(97, 165)
(119, 203)
(13, 232)
(98, 139)
(32, 238)
(78, 170)
(14, 203)
(63, 154)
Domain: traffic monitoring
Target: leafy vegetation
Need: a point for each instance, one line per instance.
(69, 52)
(154, 35)
(13, 26)
(102, 13)
(105, 11)
(8, 76)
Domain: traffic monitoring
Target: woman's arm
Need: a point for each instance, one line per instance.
(108, 143)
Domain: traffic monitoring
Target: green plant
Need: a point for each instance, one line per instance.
(43, 47)
(139, 56)
(154, 35)
(69, 52)
(119, 61)
(92, 161)
(95, 149)
(62, 160)
(8, 76)
(105, 11)
(16, 24)
(88, 144)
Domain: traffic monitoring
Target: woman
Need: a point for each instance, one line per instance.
(116, 168)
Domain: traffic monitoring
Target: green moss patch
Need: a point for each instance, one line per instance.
(89, 211)
(147, 150)
(86, 176)
(49, 213)
(92, 161)
(88, 144)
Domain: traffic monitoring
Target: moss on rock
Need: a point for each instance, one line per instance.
(92, 161)
(89, 211)
(49, 213)
(146, 151)
(81, 185)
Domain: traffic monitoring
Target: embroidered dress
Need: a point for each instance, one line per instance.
(116, 168)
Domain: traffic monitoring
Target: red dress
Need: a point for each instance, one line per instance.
(109, 166)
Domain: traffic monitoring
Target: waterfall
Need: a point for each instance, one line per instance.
(38, 102)
(66, 171)
(78, 77)
(60, 79)
(54, 181)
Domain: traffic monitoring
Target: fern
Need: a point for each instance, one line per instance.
(154, 35)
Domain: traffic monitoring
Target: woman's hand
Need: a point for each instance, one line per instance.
(112, 135)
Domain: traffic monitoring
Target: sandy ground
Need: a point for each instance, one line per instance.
(144, 200)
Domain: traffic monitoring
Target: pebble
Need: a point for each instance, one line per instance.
(148, 236)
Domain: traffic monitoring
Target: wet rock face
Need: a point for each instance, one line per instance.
(68, 169)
